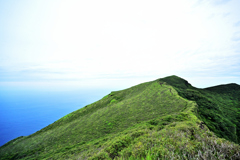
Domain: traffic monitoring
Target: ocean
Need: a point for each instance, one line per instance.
(25, 111)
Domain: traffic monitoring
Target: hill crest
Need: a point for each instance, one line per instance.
(164, 118)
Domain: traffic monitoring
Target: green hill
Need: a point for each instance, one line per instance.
(163, 119)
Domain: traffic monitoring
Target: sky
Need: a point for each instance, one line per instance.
(108, 43)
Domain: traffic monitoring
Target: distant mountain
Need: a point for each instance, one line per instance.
(166, 118)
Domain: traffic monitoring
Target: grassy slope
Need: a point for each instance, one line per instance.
(218, 107)
(149, 120)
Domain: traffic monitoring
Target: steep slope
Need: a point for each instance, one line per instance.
(218, 107)
(149, 120)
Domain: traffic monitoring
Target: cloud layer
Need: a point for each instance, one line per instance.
(82, 40)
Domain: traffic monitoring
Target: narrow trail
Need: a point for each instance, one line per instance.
(161, 83)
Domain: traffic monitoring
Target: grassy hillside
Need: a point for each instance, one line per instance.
(162, 119)
(218, 107)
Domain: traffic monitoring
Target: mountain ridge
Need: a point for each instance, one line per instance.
(164, 118)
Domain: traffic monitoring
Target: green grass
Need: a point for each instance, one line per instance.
(217, 106)
(158, 119)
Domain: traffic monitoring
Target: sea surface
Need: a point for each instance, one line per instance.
(25, 111)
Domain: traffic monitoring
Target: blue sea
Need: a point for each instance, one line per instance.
(25, 111)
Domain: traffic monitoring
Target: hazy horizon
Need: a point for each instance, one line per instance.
(23, 111)
(98, 44)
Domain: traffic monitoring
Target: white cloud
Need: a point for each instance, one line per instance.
(236, 36)
(76, 40)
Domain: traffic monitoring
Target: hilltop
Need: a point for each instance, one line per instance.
(165, 118)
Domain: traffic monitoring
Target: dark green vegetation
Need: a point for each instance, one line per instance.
(163, 119)
(218, 107)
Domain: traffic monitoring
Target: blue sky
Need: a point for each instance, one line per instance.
(118, 43)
